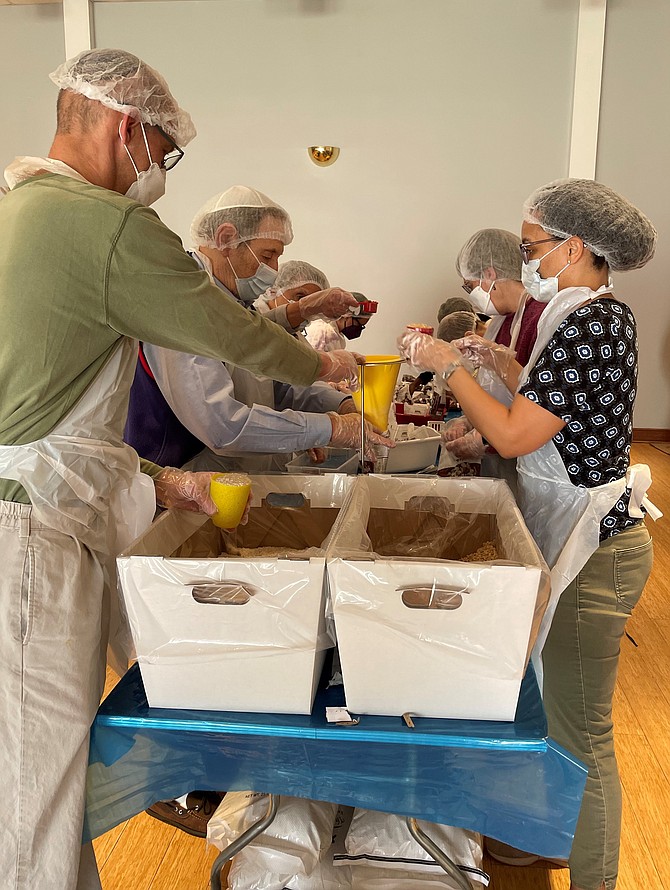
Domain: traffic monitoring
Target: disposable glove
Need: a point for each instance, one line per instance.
(347, 434)
(347, 406)
(428, 354)
(456, 429)
(331, 303)
(340, 366)
(469, 447)
(188, 491)
(317, 455)
(483, 353)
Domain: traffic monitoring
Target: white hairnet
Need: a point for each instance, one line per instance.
(297, 273)
(125, 83)
(608, 224)
(245, 208)
(456, 325)
(490, 248)
(454, 304)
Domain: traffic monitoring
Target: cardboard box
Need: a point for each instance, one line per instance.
(420, 630)
(235, 633)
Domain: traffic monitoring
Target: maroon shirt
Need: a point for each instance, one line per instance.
(527, 336)
(527, 333)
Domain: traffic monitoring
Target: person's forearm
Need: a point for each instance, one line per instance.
(511, 378)
(293, 315)
(514, 431)
(487, 415)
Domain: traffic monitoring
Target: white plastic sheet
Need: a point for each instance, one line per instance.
(293, 845)
(382, 840)
(235, 632)
(420, 630)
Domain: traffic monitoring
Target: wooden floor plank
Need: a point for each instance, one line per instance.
(648, 794)
(187, 863)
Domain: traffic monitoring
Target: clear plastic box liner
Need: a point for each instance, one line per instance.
(420, 628)
(220, 619)
(505, 780)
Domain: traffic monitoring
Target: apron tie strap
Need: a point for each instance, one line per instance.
(638, 480)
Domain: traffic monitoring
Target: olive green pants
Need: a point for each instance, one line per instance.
(581, 657)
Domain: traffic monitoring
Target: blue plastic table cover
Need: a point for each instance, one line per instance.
(506, 780)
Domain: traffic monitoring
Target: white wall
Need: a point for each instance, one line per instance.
(32, 46)
(633, 158)
(448, 113)
(434, 103)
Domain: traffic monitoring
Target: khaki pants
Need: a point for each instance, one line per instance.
(581, 658)
(51, 640)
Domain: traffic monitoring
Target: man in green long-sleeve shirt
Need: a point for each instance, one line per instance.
(85, 270)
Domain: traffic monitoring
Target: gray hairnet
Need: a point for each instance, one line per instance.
(456, 325)
(608, 224)
(245, 208)
(454, 304)
(125, 83)
(490, 248)
(296, 273)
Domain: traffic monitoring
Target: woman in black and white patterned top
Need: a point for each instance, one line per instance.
(570, 424)
(587, 376)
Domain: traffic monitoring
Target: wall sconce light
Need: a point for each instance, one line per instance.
(323, 155)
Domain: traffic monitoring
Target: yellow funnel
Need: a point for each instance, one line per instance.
(377, 378)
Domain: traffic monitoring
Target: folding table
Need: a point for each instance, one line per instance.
(506, 780)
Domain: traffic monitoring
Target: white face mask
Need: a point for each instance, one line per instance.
(249, 289)
(150, 184)
(541, 289)
(481, 300)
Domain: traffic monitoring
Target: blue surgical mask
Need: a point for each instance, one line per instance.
(251, 288)
(541, 289)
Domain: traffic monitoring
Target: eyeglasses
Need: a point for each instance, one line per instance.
(172, 158)
(526, 247)
(468, 288)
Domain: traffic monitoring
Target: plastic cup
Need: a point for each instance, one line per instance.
(230, 493)
(378, 379)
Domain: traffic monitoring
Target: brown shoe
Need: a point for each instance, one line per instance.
(511, 856)
(193, 818)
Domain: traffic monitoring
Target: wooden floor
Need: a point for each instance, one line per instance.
(143, 854)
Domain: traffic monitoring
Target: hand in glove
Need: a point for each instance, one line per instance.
(317, 455)
(456, 429)
(469, 447)
(428, 354)
(340, 366)
(483, 353)
(185, 490)
(189, 491)
(347, 434)
(331, 303)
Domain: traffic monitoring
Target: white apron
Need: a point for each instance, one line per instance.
(565, 518)
(494, 466)
(84, 481)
